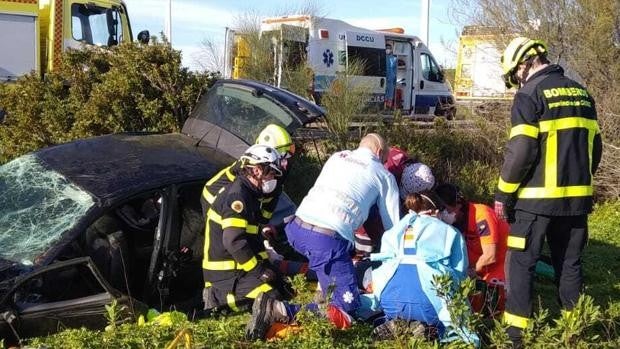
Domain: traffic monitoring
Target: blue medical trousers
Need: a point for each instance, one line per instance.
(330, 258)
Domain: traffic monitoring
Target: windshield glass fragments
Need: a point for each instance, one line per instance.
(36, 206)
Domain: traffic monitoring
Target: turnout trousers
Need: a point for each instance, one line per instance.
(238, 291)
(566, 237)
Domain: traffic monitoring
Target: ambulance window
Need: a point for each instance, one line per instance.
(373, 58)
(430, 69)
(95, 25)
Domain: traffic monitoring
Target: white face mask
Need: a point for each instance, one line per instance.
(447, 217)
(269, 186)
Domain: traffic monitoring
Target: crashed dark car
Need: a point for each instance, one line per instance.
(118, 217)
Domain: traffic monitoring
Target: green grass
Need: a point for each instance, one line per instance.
(602, 254)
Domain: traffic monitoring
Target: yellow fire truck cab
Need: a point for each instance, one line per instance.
(34, 33)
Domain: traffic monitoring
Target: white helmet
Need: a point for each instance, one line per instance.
(260, 154)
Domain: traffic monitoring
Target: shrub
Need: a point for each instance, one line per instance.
(127, 88)
(345, 98)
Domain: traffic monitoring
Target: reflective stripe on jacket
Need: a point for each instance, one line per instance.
(232, 239)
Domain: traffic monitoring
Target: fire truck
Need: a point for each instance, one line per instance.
(34, 33)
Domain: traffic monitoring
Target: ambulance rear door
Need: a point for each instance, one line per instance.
(369, 48)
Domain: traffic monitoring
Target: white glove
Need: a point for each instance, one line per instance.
(272, 255)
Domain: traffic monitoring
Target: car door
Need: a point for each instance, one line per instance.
(65, 294)
(232, 113)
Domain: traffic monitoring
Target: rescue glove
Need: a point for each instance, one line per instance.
(501, 211)
(269, 232)
(266, 273)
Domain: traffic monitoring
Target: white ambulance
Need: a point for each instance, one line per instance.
(329, 44)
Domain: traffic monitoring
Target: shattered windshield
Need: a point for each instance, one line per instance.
(36, 206)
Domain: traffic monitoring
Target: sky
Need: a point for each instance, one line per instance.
(193, 21)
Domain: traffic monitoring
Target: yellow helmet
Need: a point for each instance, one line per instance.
(518, 51)
(276, 137)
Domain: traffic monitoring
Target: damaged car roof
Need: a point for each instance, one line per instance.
(114, 165)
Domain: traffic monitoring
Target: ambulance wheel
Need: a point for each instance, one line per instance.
(451, 113)
(448, 112)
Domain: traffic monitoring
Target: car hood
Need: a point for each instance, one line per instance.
(232, 113)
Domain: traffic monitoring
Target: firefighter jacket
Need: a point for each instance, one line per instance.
(554, 147)
(232, 239)
(216, 184)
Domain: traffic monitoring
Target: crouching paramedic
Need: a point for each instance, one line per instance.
(235, 264)
(485, 237)
(338, 203)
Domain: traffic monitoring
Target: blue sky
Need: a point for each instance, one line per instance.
(195, 20)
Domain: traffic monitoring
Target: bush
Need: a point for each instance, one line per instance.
(470, 157)
(345, 98)
(127, 88)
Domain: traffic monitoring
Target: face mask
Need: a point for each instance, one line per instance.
(269, 186)
(447, 217)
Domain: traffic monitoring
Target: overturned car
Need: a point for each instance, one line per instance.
(118, 217)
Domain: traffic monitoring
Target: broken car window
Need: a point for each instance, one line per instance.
(36, 206)
(241, 112)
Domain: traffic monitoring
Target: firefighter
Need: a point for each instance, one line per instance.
(235, 264)
(274, 136)
(485, 237)
(545, 185)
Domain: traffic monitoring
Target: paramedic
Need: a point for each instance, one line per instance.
(485, 237)
(338, 203)
(415, 250)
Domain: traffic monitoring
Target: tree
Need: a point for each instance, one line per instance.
(582, 35)
(259, 63)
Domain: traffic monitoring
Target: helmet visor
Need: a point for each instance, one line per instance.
(273, 168)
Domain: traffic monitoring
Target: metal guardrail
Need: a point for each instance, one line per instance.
(319, 130)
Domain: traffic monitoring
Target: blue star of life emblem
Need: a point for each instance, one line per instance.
(328, 58)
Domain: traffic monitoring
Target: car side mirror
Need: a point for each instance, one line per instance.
(144, 37)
